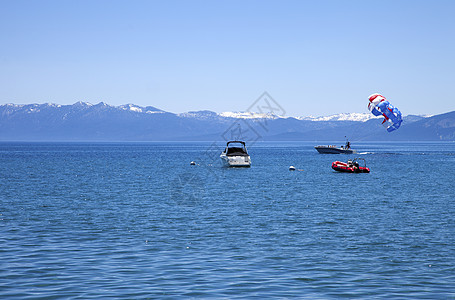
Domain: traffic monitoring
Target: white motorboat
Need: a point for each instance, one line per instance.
(336, 150)
(235, 155)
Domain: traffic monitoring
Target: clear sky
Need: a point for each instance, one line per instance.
(314, 57)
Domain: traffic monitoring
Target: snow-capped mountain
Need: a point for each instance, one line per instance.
(249, 115)
(139, 109)
(202, 115)
(353, 117)
(357, 117)
(83, 121)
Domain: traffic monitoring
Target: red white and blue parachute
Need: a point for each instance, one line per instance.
(379, 106)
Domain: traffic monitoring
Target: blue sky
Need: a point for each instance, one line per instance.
(314, 57)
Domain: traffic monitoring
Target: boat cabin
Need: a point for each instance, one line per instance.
(236, 148)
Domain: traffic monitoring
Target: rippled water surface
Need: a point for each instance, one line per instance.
(138, 221)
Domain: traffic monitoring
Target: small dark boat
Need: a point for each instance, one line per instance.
(352, 166)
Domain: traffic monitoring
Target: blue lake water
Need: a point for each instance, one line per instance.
(136, 220)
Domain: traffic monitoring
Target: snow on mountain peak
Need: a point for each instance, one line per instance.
(51, 105)
(357, 117)
(131, 107)
(248, 115)
(202, 114)
(83, 103)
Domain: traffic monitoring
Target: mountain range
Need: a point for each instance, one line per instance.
(83, 121)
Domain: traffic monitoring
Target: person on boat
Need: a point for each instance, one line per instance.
(348, 145)
(355, 166)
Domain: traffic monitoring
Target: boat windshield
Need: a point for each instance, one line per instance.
(236, 149)
(358, 160)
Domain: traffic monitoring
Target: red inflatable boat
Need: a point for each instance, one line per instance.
(352, 166)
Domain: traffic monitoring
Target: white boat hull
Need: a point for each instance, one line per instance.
(235, 161)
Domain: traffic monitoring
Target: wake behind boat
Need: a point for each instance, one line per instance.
(235, 155)
(332, 149)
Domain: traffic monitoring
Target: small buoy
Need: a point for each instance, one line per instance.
(291, 168)
(192, 163)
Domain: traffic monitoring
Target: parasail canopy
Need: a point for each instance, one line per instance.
(379, 106)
